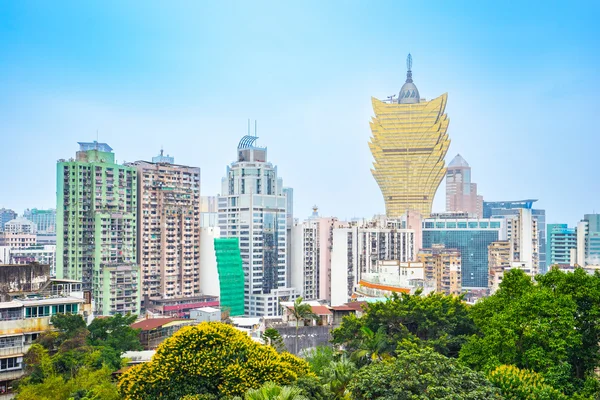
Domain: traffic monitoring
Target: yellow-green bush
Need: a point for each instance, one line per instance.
(210, 358)
(522, 384)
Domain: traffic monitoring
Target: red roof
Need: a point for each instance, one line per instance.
(153, 323)
(342, 308)
(321, 310)
(356, 305)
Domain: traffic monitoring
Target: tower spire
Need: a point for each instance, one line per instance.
(409, 68)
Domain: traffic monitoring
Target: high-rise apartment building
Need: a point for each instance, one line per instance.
(310, 256)
(409, 143)
(510, 208)
(499, 260)
(45, 220)
(561, 244)
(522, 232)
(252, 207)
(169, 228)
(442, 268)
(461, 194)
(20, 225)
(471, 236)
(97, 224)
(358, 248)
(5, 216)
(588, 240)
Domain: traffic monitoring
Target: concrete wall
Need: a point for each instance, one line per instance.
(25, 277)
(308, 337)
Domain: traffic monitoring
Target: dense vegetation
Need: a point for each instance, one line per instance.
(529, 341)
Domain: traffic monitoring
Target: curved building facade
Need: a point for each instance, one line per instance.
(409, 142)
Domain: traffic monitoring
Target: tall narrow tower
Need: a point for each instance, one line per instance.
(461, 194)
(409, 144)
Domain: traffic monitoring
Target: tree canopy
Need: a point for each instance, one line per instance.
(209, 358)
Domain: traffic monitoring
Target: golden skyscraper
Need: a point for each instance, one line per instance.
(409, 144)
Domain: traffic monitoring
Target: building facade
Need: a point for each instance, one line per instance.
(97, 225)
(169, 228)
(499, 260)
(5, 216)
(461, 194)
(561, 244)
(510, 208)
(409, 143)
(471, 236)
(588, 240)
(252, 208)
(522, 232)
(360, 247)
(442, 268)
(45, 220)
(41, 254)
(20, 225)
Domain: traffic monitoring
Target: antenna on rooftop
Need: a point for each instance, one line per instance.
(255, 128)
(248, 126)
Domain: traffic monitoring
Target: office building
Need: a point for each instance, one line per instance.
(359, 247)
(588, 240)
(168, 254)
(409, 143)
(461, 194)
(522, 232)
(252, 208)
(45, 220)
(561, 245)
(209, 211)
(5, 216)
(470, 236)
(97, 223)
(507, 208)
(442, 268)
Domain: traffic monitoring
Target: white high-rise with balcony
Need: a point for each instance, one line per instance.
(252, 207)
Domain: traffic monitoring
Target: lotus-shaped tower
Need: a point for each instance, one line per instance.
(409, 144)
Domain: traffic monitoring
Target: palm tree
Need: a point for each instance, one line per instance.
(301, 312)
(337, 376)
(372, 347)
(271, 391)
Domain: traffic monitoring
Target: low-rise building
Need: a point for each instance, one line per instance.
(391, 276)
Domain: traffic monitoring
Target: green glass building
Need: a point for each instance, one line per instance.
(96, 225)
(231, 275)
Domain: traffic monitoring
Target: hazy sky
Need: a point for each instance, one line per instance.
(522, 78)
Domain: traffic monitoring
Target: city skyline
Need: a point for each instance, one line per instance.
(516, 111)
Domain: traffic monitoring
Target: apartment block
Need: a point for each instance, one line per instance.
(442, 269)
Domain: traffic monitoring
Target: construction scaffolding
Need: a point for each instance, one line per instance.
(231, 275)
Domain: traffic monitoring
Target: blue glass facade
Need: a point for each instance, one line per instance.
(472, 238)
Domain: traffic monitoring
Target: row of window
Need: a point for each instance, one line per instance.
(46, 311)
(461, 225)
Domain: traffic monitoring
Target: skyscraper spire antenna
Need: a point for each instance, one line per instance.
(409, 68)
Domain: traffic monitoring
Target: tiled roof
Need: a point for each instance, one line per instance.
(153, 323)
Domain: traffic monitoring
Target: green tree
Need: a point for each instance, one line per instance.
(320, 358)
(271, 391)
(115, 332)
(522, 384)
(532, 326)
(312, 388)
(68, 324)
(373, 346)
(419, 375)
(435, 320)
(338, 376)
(271, 337)
(209, 358)
(300, 312)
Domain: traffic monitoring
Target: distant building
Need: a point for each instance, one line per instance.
(561, 244)
(461, 194)
(507, 208)
(17, 240)
(499, 260)
(471, 236)
(253, 208)
(442, 269)
(391, 277)
(209, 215)
(359, 247)
(97, 226)
(409, 142)
(522, 232)
(5, 216)
(169, 228)
(588, 240)
(42, 254)
(45, 220)
(20, 225)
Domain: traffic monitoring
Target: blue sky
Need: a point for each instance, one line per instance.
(522, 79)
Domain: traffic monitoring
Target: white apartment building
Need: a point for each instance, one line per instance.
(357, 250)
(252, 207)
(522, 233)
(42, 254)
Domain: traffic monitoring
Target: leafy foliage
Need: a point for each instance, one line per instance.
(272, 338)
(338, 376)
(522, 384)
(420, 374)
(300, 312)
(549, 328)
(435, 320)
(271, 391)
(320, 358)
(210, 358)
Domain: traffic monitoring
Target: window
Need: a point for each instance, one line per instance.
(473, 225)
(462, 225)
(12, 341)
(10, 363)
(495, 225)
(484, 225)
(440, 225)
